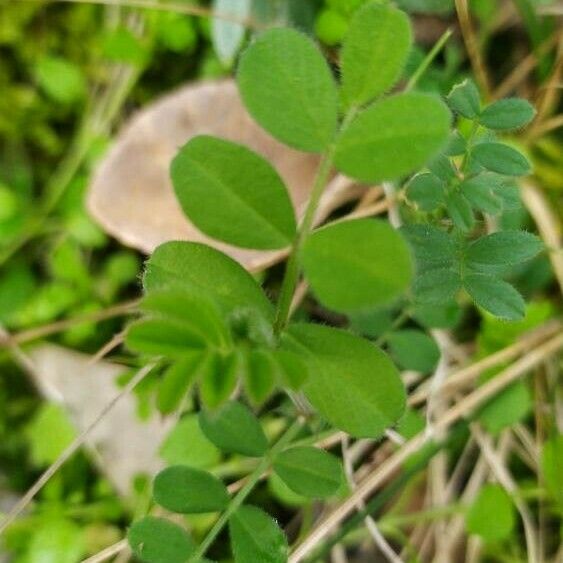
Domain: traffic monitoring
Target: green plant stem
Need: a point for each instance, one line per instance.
(239, 498)
(291, 276)
(433, 53)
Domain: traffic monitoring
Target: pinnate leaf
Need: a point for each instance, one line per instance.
(255, 536)
(357, 264)
(414, 350)
(393, 137)
(187, 490)
(233, 194)
(464, 99)
(495, 296)
(219, 376)
(426, 190)
(479, 192)
(352, 383)
(437, 286)
(432, 247)
(234, 428)
(510, 113)
(503, 248)
(374, 52)
(157, 540)
(309, 472)
(460, 211)
(287, 86)
(501, 158)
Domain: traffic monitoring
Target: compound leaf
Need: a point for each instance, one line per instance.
(464, 99)
(414, 350)
(495, 296)
(503, 248)
(501, 158)
(510, 113)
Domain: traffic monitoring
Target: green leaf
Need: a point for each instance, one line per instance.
(177, 380)
(426, 190)
(234, 428)
(310, 472)
(501, 158)
(372, 323)
(377, 270)
(414, 350)
(53, 539)
(552, 468)
(504, 248)
(495, 296)
(510, 113)
(460, 211)
(479, 192)
(219, 378)
(491, 516)
(260, 375)
(187, 490)
(432, 247)
(352, 383)
(464, 99)
(445, 314)
(374, 52)
(437, 286)
(442, 167)
(293, 370)
(287, 86)
(190, 265)
(187, 445)
(227, 36)
(233, 194)
(61, 80)
(393, 137)
(194, 311)
(508, 407)
(156, 540)
(256, 537)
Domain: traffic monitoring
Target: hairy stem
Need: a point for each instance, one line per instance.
(239, 498)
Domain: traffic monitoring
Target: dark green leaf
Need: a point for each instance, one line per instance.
(552, 468)
(437, 286)
(465, 100)
(378, 270)
(156, 540)
(393, 137)
(431, 246)
(374, 52)
(501, 158)
(479, 192)
(504, 248)
(260, 375)
(456, 145)
(460, 211)
(414, 350)
(232, 194)
(352, 383)
(287, 86)
(310, 472)
(510, 113)
(426, 190)
(445, 314)
(442, 167)
(234, 428)
(190, 265)
(495, 296)
(491, 516)
(219, 378)
(293, 370)
(372, 323)
(187, 490)
(508, 407)
(256, 538)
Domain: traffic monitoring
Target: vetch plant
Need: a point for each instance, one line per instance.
(213, 327)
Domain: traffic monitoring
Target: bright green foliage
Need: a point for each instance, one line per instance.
(60, 79)
(287, 86)
(432, 247)
(491, 516)
(331, 27)
(510, 113)
(187, 490)
(438, 286)
(57, 540)
(227, 36)
(495, 296)
(293, 371)
(552, 468)
(309, 472)
(260, 375)
(426, 190)
(352, 384)
(479, 191)
(190, 265)
(503, 248)
(232, 194)
(510, 406)
(255, 536)
(465, 100)
(501, 158)
(393, 137)
(156, 540)
(358, 264)
(414, 350)
(176, 381)
(374, 52)
(187, 445)
(220, 373)
(234, 428)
